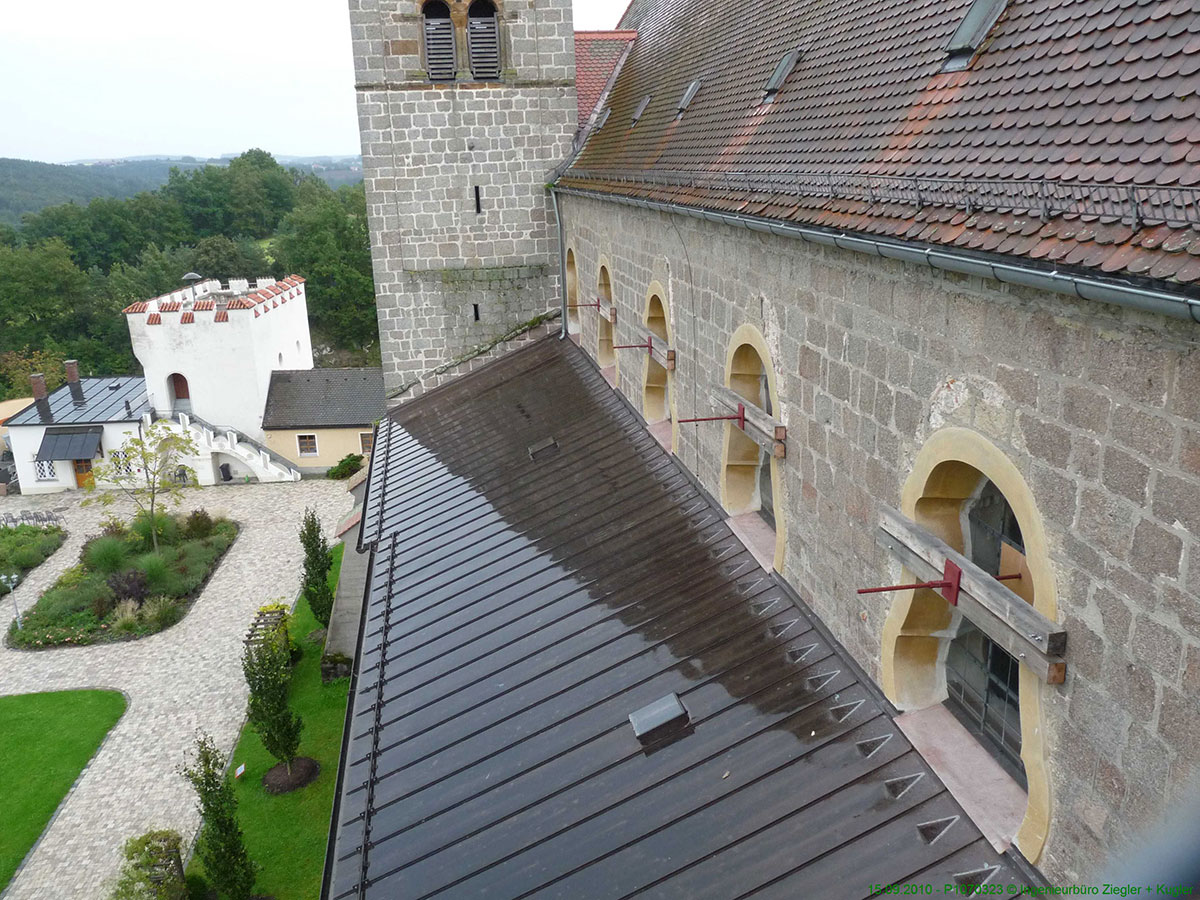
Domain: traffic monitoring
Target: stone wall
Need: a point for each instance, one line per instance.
(1096, 406)
(427, 147)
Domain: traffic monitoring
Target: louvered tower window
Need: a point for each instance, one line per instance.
(483, 41)
(439, 41)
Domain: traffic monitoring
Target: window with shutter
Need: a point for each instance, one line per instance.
(439, 41)
(483, 41)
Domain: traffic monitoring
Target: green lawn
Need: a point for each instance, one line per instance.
(45, 741)
(286, 834)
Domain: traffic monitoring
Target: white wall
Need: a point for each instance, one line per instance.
(228, 365)
(25, 441)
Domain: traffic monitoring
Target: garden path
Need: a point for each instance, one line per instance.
(180, 680)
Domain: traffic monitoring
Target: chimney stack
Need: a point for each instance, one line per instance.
(38, 382)
(72, 367)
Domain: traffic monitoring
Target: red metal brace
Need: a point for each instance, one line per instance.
(595, 303)
(648, 346)
(740, 418)
(949, 587)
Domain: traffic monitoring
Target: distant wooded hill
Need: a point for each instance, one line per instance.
(27, 186)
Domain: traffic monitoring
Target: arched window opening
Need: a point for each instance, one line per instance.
(483, 41)
(656, 391)
(748, 467)
(573, 322)
(439, 41)
(982, 679)
(605, 355)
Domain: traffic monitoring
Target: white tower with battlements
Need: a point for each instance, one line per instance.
(208, 351)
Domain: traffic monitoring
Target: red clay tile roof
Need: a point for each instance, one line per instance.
(154, 319)
(597, 54)
(139, 307)
(221, 316)
(170, 306)
(1073, 136)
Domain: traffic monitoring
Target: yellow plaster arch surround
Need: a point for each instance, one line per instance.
(750, 335)
(915, 636)
(606, 332)
(656, 289)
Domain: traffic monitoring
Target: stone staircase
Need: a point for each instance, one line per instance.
(266, 465)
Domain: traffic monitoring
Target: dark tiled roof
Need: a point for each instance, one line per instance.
(324, 398)
(1093, 96)
(519, 610)
(96, 400)
(597, 54)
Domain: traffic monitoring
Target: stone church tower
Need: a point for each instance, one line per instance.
(465, 108)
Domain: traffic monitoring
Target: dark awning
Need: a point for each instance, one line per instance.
(70, 443)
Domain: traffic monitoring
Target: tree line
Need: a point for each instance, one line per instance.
(67, 271)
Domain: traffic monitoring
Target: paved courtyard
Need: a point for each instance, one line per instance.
(185, 678)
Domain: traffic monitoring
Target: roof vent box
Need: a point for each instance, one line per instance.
(663, 718)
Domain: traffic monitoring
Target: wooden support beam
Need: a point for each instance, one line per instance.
(1007, 619)
(662, 352)
(769, 433)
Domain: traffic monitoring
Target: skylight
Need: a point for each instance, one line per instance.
(637, 115)
(780, 75)
(967, 38)
(688, 96)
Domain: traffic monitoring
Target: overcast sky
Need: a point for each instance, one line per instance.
(84, 79)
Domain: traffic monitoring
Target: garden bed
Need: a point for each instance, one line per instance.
(26, 547)
(122, 589)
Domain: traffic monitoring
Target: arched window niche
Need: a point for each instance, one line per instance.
(751, 478)
(606, 357)
(658, 402)
(483, 40)
(574, 323)
(440, 61)
(962, 487)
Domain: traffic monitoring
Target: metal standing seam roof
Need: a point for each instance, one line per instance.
(519, 610)
(1072, 138)
(324, 398)
(96, 401)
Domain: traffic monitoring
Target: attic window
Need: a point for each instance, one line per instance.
(637, 114)
(603, 117)
(780, 75)
(970, 34)
(688, 96)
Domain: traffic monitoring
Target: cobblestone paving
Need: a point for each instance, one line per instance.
(185, 678)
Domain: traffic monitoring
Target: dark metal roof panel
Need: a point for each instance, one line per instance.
(518, 612)
(324, 398)
(80, 442)
(90, 401)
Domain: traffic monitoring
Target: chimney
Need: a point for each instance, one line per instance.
(72, 367)
(38, 382)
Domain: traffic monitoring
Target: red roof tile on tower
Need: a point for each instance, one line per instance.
(139, 307)
(597, 54)
(169, 306)
(188, 318)
(221, 316)
(154, 319)
(205, 305)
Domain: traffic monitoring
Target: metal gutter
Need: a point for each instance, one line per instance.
(562, 261)
(1176, 306)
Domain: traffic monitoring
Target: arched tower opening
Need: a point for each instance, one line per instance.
(574, 324)
(605, 355)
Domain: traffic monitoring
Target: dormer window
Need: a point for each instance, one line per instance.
(688, 96)
(971, 32)
(637, 114)
(780, 75)
(439, 41)
(483, 41)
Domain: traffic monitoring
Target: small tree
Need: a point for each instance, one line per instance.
(221, 847)
(149, 470)
(266, 664)
(153, 869)
(317, 562)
